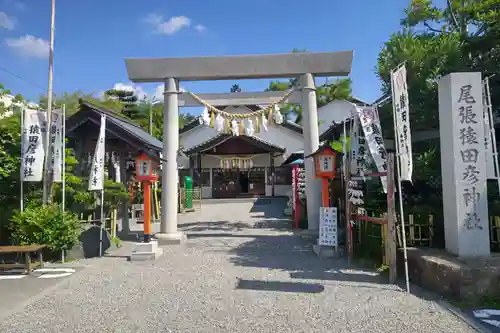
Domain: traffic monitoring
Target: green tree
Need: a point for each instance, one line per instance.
(235, 88)
(338, 89)
(433, 41)
(132, 107)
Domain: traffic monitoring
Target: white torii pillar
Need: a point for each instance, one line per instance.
(169, 234)
(311, 144)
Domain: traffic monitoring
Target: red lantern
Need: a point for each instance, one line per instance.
(146, 169)
(325, 162)
(325, 165)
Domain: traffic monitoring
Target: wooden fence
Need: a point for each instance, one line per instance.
(190, 200)
(109, 222)
(422, 230)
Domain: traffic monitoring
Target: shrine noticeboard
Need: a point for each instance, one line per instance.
(328, 226)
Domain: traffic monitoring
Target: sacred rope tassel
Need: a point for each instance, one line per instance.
(222, 164)
(234, 128)
(228, 164)
(257, 125)
(270, 118)
(242, 126)
(219, 123)
(212, 119)
(264, 122)
(278, 117)
(249, 129)
(227, 127)
(205, 117)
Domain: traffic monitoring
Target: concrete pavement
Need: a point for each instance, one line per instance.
(241, 271)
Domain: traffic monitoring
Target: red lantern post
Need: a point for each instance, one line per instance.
(147, 172)
(325, 163)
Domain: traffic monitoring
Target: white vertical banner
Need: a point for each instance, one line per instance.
(96, 179)
(116, 164)
(401, 109)
(354, 145)
(32, 156)
(56, 145)
(370, 122)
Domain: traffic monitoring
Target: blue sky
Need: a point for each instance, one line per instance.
(94, 36)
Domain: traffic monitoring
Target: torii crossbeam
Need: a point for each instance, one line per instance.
(172, 70)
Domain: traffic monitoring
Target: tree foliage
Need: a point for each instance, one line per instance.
(235, 88)
(464, 35)
(78, 198)
(338, 89)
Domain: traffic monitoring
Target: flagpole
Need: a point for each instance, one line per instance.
(63, 169)
(400, 192)
(21, 169)
(46, 181)
(102, 222)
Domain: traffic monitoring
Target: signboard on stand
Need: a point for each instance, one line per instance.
(328, 226)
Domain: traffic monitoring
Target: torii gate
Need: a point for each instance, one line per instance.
(173, 70)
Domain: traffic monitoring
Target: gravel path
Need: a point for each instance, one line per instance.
(234, 275)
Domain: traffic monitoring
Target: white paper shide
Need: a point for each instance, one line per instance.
(32, 155)
(401, 110)
(328, 226)
(96, 179)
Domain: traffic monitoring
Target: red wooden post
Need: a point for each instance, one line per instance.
(296, 196)
(147, 211)
(325, 197)
(146, 172)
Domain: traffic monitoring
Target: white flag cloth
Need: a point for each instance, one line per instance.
(370, 122)
(33, 154)
(56, 145)
(400, 103)
(96, 179)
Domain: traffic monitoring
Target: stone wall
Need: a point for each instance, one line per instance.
(451, 277)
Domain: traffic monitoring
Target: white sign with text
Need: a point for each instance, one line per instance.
(463, 164)
(401, 109)
(328, 226)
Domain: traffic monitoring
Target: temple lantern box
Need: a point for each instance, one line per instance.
(146, 168)
(325, 162)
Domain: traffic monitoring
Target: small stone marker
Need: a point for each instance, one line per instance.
(146, 251)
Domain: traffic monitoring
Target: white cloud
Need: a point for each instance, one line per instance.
(7, 22)
(200, 27)
(156, 95)
(170, 26)
(29, 46)
(138, 90)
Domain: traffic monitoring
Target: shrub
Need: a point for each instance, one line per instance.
(45, 225)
